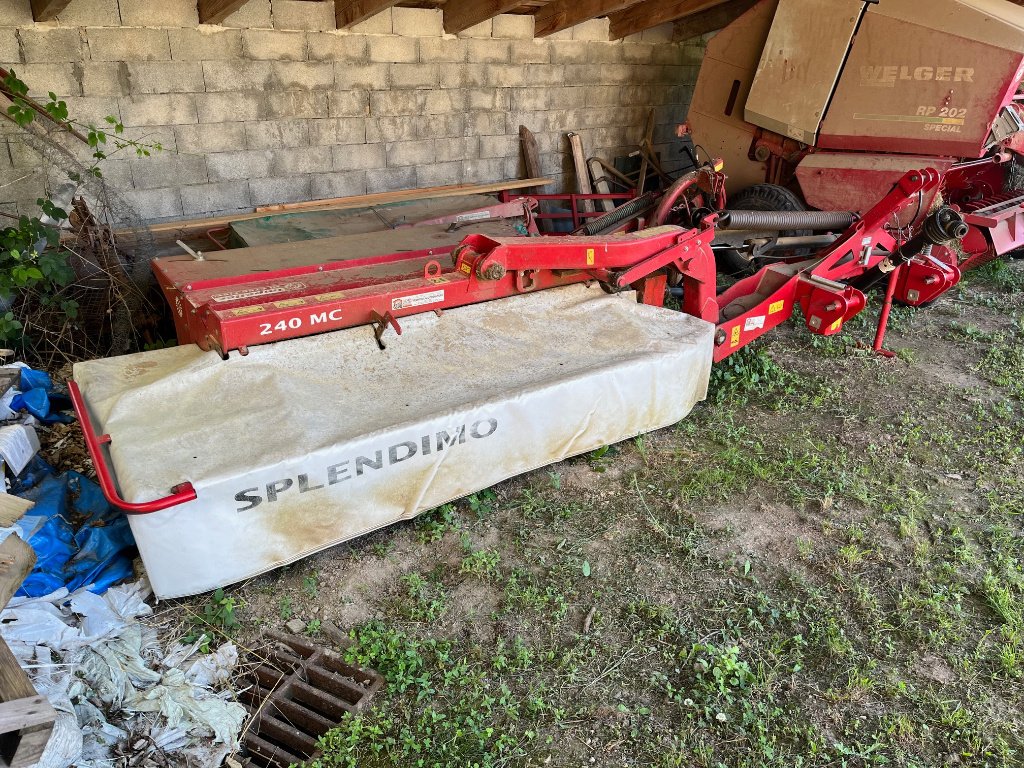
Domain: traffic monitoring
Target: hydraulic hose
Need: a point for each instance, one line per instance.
(786, 220)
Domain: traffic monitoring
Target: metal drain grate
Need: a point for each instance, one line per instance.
(298, 694)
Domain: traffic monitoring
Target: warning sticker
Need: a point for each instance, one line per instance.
(836, 325)
(753, 323)
(473, 216)
(328, 296)
(590, 257)
(289, 303)
(735, 340)
(251, 293)
(776, 306)
(250, 310)
(419, 300)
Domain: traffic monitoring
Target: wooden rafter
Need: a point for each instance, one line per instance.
(352, 12)
(215, 11)
(46, 10)
(463, 14)
(654, 12)
(562, 14)
(710, 20)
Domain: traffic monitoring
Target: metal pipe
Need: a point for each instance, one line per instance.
(782, 220)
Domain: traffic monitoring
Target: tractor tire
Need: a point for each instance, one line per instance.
(759, 197)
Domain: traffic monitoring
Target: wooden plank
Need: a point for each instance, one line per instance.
(174, 229)
(600, 183)
(531, 156)
(463, 14)
(654, 12)
(348, 13)
(24, 713)
(579, 161)
(562, 14)
(215, 11)
(711, 20)
(23, 746)
(11, 510)
(47, 10)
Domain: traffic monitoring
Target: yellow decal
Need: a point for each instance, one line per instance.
(290, 303)
(328, 296)
(735, 340)
(466, 267)
(836, 325)
(776, 306)
(590, 257)
(247, 310)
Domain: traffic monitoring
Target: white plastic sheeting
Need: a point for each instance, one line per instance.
(303, 444)
(113, 686)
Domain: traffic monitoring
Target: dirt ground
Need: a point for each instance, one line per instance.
(822, 566)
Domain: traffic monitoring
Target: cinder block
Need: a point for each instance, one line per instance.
(89, 13)
(271, 134)
(414, 75)
(483, 171)
(165, 77)
(327, 185)
(693, 53)
(545, 74)
(231, 106)
(291, 104)
(569, 52)
(403, 153)
(565, 34)
(42, 44)
(150, 204)
(390, 179)
(127, 44)
(301, 14)
(439, 174)
(208, 199)
(168, 170)
(486, 124)
(349, 103)
(440, 126)
(302, 74)
(43, 78)
(274, 44)
(237, 75)
(463, 75)
(416, 22)
(105, 78)
(456, 149)
(528, 99)
(14, 13)
(595, 29)
(337, 130)
(293, 189)
(489, 99)
(22, 156)
(367, 77)
(615, 73)
(390, 103)
(530, 52)
(337, 46)
(638, 53)
(380, 130)
(445, 102)
(514, 26)
(94, 110)
(206, 138)
(10, 49)
(604, 53)
(442, 49)
(246, 164)
(570, 97)
(205, 43)
(498, 146)
(393, 49)
(660, 34)
(489, 51)
(254, 14)
(299, 160)
(510, 75)
(161, 109)
(483, 29)
(378, 24)
(358, 157)
(165, 13)
(669, 54)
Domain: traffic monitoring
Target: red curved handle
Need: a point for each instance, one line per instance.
(179, 494)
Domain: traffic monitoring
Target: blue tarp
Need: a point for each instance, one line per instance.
(78, 538)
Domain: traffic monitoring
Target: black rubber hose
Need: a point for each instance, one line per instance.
(783, 220)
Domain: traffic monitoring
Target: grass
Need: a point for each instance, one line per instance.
(823, 566)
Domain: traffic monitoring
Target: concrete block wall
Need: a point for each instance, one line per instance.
(275, 105)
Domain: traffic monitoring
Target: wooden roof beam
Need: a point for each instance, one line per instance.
(463, 14)
(215, 11)
(654, 12)
(46, 10)
(352, 12)
(711, 20)
(562, 14)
